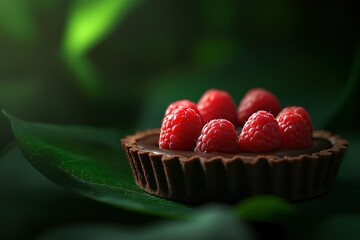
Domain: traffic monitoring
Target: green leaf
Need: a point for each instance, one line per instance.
(267, 209)
(90, 162)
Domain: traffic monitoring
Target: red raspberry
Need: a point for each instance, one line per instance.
(215, 104)
(260, 133)
(181, 103)
(257, 99)
(294, 131)
(180, 129)
(301, 111)
(218, 135)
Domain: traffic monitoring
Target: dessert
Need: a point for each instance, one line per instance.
(218, 135)
(278, 155)
(215, 104)
(260, 133)
(257, 99)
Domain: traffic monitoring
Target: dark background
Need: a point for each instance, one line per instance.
(118, 64)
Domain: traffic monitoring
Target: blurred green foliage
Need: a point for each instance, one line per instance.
(88, 23)
(17, 21)
(119, 63)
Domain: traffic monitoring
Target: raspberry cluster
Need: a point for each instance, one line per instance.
(216, 124)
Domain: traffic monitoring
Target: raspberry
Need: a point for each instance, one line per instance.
(260, 133)
(215, 104)
(302, 112)
(218, 135)
(257, 99)
(181, 103)
(294, 131)
(180, 129)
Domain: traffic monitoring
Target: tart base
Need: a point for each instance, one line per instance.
(198, 178)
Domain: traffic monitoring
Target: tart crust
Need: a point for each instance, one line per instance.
(197, 178)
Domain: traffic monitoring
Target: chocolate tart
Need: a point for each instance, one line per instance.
(202, 177)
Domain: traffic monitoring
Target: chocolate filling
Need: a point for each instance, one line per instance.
(150, 143)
